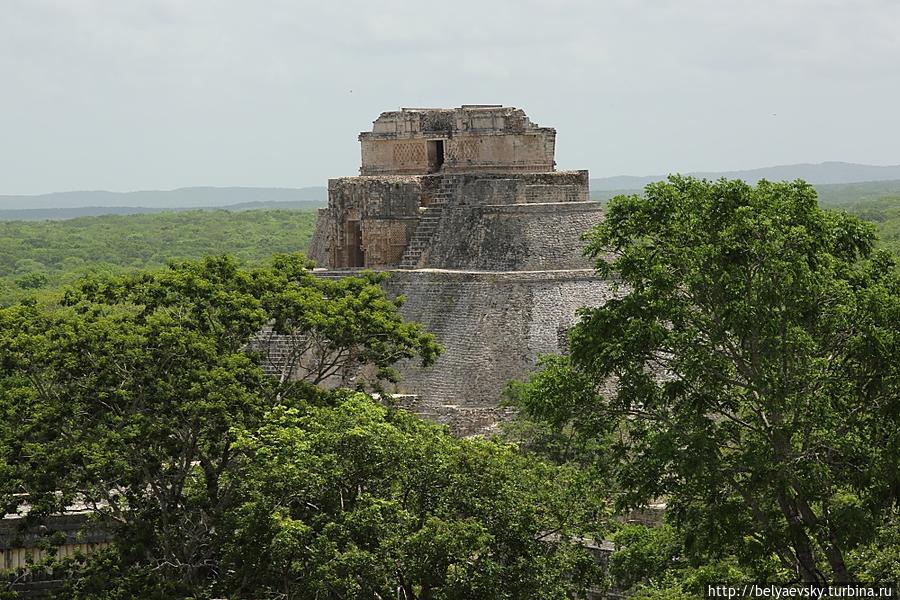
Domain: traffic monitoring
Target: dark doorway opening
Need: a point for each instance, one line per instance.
(435, 155)
(355, 254)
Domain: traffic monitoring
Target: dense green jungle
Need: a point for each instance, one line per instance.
(37, 256)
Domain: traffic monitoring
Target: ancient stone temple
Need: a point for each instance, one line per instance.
(482, 236)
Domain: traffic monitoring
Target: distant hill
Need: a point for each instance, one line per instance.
(859, 181)
(845, 194)
(831, 195)
(192, 197)
(58, 214)
(821, 173)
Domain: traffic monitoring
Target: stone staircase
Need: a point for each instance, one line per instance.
(429, 218)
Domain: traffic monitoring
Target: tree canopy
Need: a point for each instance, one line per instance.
(754, 345)
(144, 399)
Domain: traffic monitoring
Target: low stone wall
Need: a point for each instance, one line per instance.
(20, 545)
(460, 419)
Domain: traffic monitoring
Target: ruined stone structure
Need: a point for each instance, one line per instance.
(21, 546)
(469, 139)
(483, 238)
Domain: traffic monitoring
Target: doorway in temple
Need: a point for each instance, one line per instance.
(435, 155)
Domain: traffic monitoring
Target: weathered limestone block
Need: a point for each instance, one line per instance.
(321, 240)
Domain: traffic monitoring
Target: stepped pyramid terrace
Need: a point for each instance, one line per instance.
(482, 235)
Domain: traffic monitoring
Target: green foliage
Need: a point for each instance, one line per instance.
(114, 574)
(754, 344)
(352, 500)
(142, 398)
(546, 427)
(879, 560)
(884, 212)
(644, 555)
(65, 250)
(128, 397)
(32, 280)
(666, 592)
(650, 562)
(343, 321)
(874, 201)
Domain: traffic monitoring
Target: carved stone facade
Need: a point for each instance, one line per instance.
(484, 240)
(468, 139)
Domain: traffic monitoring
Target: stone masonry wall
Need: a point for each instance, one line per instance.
(493, 327)
(517, 188)
(542, 194)
(379, 216)
(321, 239)
(376, 197)
(463, 153)
(385, 240)
(490, 190)
(484, 138)
(386, 210)
(515, 237)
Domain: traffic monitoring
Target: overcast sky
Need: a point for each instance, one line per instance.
(158, 94)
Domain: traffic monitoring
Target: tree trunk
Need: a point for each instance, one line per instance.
(803, 550)
(827, 540)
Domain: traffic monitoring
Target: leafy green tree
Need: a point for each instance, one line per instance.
(330, 328)
(351, 500)
(33, 280)
(650, 562)
(143, 398)
(129, 398)
(29, 265)
(755, 347)
(645, 555)
(879, 559)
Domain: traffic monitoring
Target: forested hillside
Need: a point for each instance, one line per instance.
(39, 255)
(885, 213)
